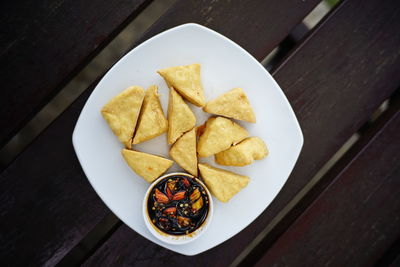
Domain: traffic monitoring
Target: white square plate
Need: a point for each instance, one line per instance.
(225, 65)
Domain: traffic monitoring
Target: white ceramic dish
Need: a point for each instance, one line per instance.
(170, 239)
(225, 65)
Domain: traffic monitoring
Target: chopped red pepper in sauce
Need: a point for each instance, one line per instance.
(178, 205)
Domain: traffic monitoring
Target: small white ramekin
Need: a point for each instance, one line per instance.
(177, 239)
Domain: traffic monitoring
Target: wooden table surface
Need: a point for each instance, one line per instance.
(335, 77)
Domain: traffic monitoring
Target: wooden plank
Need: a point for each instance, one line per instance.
(45, 43)
(258, 26)
(396, 262)
(268, 240)
(46, 203)
(55, 231)
(391, 257)
(334, 80)
(357, 218)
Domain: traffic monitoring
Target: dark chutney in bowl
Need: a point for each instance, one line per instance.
(178, 205)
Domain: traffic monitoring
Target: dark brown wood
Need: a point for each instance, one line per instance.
(118, 251)
(334, 80)
(391, 256)
(62, 215)
(45, 43)
(357, 218)
(396, 262)
(46, 204)
(258, 26)
(263, 245)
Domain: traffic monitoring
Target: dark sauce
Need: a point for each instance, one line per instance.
(178, 205)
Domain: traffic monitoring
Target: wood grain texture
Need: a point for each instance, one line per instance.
(258, 26)
(391, 257)
(357, 218)
(349, 84)
(396, 262)
(46, 203)
(44, 43)
(334, 80)
(50, 161)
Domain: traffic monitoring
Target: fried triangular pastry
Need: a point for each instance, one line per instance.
(152, 121)
(244, 153)
(180, 117)
(184, 153)
(122, 112)
(220, 134)
(223, 184)
(233, 104)
(186, 80)
(148, 166)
